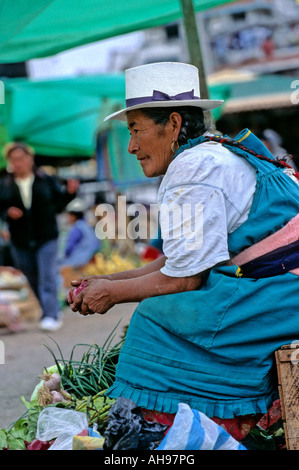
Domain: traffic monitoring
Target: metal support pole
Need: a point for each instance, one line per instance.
(195, 50)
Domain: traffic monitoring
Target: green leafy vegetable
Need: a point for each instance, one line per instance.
(20, 432)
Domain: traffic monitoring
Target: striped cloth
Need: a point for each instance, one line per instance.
(89, 439)
(193, 430)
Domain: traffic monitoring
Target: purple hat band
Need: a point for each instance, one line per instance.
(161, 96)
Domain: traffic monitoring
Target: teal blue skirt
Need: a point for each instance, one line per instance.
(212, 348)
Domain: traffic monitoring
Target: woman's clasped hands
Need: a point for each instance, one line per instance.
(95, 297)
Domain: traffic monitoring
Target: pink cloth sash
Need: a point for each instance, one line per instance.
(288, 234)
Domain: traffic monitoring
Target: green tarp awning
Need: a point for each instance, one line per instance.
(62, 117)
(40, 28)
(55, 118)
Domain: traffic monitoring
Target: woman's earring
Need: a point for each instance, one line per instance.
(174, 146)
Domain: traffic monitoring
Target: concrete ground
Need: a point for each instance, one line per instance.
(25, 354)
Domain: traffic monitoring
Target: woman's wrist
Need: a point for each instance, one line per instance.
(150, 285)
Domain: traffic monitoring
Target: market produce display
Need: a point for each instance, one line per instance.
(73, 384)
(13, 290)
(11, 278)
(18, 303)
(114, 262)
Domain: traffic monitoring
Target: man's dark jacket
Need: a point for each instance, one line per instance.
(38, 224)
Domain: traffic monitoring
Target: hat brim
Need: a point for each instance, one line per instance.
(205, 105)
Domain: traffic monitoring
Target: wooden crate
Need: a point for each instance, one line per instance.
(287, 361)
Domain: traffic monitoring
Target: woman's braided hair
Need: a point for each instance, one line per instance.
(193, 124)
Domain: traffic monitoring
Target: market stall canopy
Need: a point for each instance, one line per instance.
(64, 117)
(261, 92)
(60, 117)
(40, 28)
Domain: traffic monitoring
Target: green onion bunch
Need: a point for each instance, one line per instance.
(94, 372)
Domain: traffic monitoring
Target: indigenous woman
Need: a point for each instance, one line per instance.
(206, 328)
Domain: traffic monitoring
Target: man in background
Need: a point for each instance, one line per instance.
(29, 202)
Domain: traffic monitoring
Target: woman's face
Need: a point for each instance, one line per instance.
(151, 143)
(21, 163)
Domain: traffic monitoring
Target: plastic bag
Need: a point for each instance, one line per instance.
(193, 430)
(128, 429)
(60, 424)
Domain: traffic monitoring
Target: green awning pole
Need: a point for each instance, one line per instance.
(195, 53)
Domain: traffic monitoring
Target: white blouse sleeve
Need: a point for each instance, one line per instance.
(194, 229)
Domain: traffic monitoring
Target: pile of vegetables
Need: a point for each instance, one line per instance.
(94, 372)
(103, 264)
(78, 384)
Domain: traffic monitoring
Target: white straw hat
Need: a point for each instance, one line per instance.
(163, 84)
